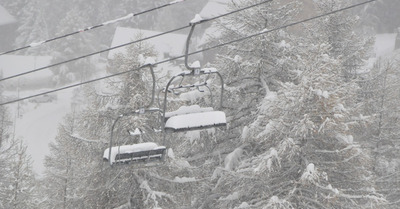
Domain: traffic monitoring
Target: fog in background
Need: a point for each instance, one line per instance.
(39, 121)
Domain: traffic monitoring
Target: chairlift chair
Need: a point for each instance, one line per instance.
(136, 153)
(193, 117)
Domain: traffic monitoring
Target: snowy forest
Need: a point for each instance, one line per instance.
(310, 111)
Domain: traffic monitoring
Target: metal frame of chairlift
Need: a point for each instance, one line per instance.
(137, 156)
(193, 71)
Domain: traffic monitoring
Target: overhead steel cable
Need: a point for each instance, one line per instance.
(93, 27)
(91, 54)
(132, 42)
(195, 52)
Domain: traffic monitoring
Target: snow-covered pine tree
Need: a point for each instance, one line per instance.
(17, 180)
(5, 151)
(21, 178)
(4, 119)
(381, 100)
(62, 179)
(299, 151)
(32, 26)
(249, 68)
(72, 47)
(340, 31)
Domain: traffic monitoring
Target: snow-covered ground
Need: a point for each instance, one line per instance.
(38, 124)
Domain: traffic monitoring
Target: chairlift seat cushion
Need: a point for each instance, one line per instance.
(195, 121)
(188, 110)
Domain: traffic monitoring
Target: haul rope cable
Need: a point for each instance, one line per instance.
(195, 52)
(93, 27)
(129, 43)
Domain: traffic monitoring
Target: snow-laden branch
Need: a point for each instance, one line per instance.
(204, 155)
(338, 193)
(77, 137)
(232, 159)
(352, 146)
(177, 179)
(372, 197)
(268, 162)
(275, 203)
(311, 175)
(125, 205)
(315, 202)
(154, 194)
(359, 152)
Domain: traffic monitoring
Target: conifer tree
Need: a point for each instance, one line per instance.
(21, 177)
(381, 99)
(71, 47)
(340, 32)
(60, 169)
(33, 26)
(298, 149)
(17, 181)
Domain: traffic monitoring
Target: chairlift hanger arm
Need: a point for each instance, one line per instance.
(111, 137)
(146, 109)
(192, 70)
(187, 46)
(222, 88)
(166, 94)
(153, 92)
(211, 94)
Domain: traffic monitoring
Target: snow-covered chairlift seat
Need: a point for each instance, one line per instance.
(193, 118)
(143, 152)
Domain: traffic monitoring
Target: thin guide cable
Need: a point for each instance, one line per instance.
(93, 27)
(195, 52)
(129, 43)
